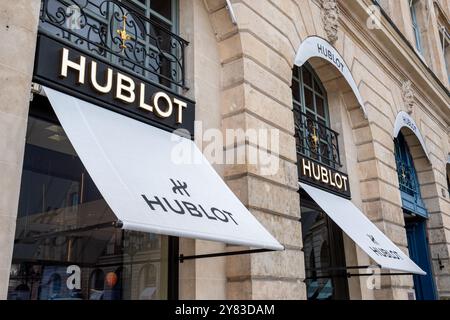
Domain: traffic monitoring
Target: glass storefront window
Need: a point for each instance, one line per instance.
(326, 278)
(66, 246)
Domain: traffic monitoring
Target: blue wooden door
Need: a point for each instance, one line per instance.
(419, 253)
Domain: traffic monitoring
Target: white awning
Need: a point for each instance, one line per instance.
(361, 230)
(142, 173)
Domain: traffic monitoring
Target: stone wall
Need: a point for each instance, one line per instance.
(18, 26)
(257, 57)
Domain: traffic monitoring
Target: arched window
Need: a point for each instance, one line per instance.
(315, 138)
(407, 177)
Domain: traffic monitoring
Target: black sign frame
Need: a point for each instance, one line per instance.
(47, 72)
(319, 184)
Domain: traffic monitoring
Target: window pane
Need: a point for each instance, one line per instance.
(320, 107)
(317, 88)
(63, 221)
(163, 7)
(309, 101)
(296, 91)
(307, 77)
(295, 72)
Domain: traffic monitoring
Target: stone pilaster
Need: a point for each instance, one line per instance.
(18, 26)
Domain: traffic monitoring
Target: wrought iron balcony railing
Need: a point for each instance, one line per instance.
(317, 141)
(407, 180)
(119, 34)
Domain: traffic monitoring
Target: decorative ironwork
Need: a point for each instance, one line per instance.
(124, 36)
(406, 179)
(316, 141)
(118, 34)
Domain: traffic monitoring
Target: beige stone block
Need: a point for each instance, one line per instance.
(287, 231)
(370, 190)
(233, 99)
(402, 293)
(280, 22)
(242, 127)
(382, 136)
(390, 193)
(7, 233)
(368, 169)
(230, 48)
(292, 10)
(232, 73)
(422, 164)
(395, 233)
(268, 83)
(376, 210)
(20, 56)
(267, 196)
(20, 13)
(441, 249)
(417, 151)
(388, 174)
(377, 87)
(357, 118)
(270, 167)
(14, 92)
(443, 282)
(402, 281)
(385, 154)
(429, 191)
(287, 263)
(269, 109)
(425, 176)
(238, 265)
(213, 5)
(435, 220)
(222, 24)
(362, 135)
(266, 56)
(10, 188)
(438, 204)
(279, 290)
(211, 289)
(239, 290)
(351, 102)
(365, 151)
(12, 138)
(240, 188)
(250, 21)
(4, 282)
(437, 236)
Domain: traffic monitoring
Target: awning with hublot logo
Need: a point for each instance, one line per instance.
(156, 181)
(362, 231)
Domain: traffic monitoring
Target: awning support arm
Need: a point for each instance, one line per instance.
(182, 257)
(349, 275)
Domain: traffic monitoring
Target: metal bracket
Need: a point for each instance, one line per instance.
(231, 12)
(349, 275)
(182, 257)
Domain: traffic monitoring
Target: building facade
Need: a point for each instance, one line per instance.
(372, 107)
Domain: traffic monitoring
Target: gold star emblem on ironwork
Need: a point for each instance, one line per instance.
(314, 138)
(124, 36)
(403, 174)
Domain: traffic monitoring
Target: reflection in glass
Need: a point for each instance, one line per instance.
(64, 221)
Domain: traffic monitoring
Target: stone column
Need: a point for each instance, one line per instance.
(18, 27)
(256, 97)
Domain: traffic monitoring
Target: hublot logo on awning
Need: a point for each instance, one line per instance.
(184, 207)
